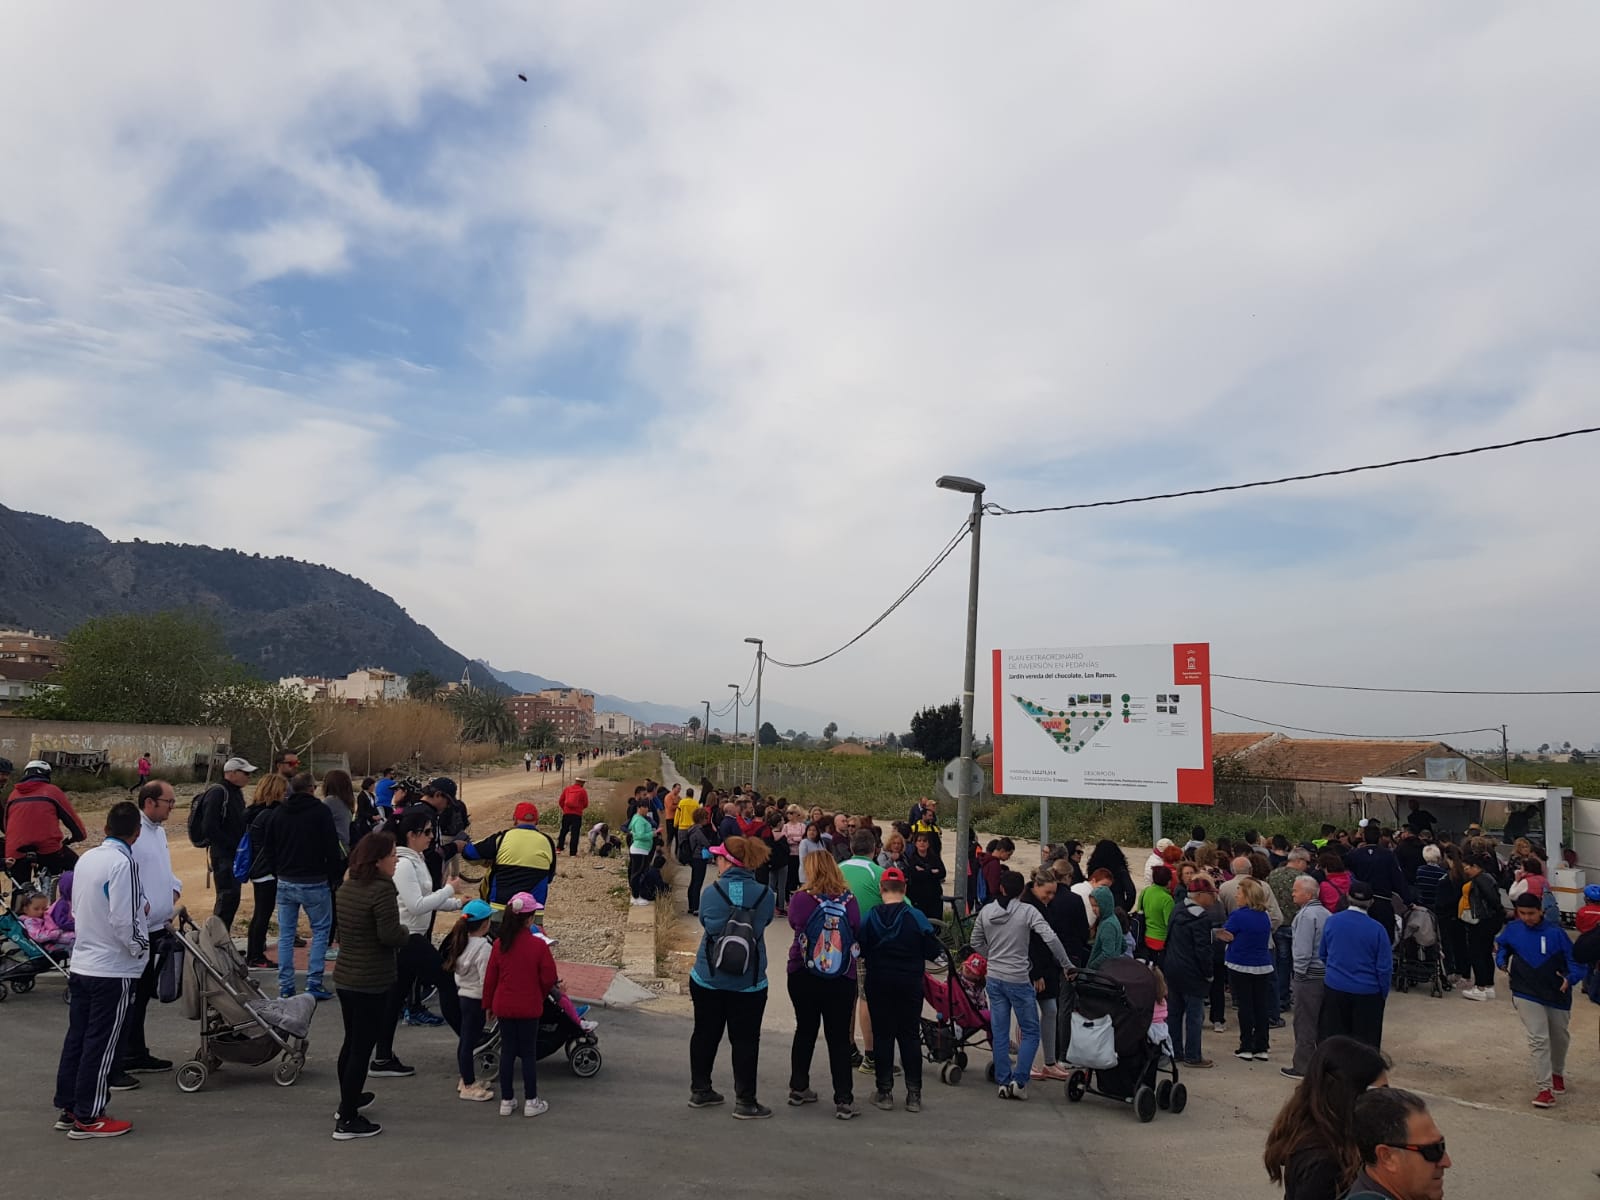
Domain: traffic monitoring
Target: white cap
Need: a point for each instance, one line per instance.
(237, 764)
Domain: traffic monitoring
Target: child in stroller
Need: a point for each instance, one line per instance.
(1110, 1022)
(961, 1016)
(22, 958)
(34, 910)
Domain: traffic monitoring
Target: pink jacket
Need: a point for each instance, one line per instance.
(44, 931)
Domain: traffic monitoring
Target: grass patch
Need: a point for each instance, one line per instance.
(640, 765)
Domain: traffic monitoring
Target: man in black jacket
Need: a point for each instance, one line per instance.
(1376, 865)
(222, 827)
(300, 847)
(1189, 966)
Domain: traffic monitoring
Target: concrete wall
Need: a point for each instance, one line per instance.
(172, 747)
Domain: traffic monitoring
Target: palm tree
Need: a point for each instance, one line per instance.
(484, 717)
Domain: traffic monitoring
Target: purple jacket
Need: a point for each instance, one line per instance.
(61, 910)
(801, 906)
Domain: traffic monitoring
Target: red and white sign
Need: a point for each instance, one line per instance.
(1104, 723)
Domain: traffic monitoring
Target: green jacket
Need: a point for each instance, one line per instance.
(1155, 902)
(1108, 938)
(369, 934)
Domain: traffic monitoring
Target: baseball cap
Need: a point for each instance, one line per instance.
(892, 875)
(1591, 893)
(579, 779)
(238, 764)
(477, 910)
(525, 814)
(525, 902)
(445, 785)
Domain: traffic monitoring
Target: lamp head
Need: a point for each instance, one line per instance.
(959, 483)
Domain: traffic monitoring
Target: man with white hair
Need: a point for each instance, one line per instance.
(1309, 970)
(1155, 860)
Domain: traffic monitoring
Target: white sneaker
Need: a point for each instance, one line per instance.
(508, 1106)
(1474, 993)
(588, 1025)
(1219, 1027)
(1488, 993)
(534, 1107)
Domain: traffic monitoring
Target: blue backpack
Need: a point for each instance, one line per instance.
(243, 857)
(829, 944)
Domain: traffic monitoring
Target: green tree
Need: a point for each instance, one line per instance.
(768, 735)
(936, 732)
(542, 735)
(694, 725)
(714, 739)
(423, 684)
(149, 668)
(484, 716)
(828, 730)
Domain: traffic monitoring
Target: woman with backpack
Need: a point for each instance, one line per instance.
(822, 981)
(728, 983)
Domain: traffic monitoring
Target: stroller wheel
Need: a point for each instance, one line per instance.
(1077, 1085)
(988, 1072)
(1180, 1099)
(287, 1072)
(191, 1076)
(1164, 1094)
(961, 1059)
(953, 1074)
(3, 992)
(585, 1061)
(487, 1063)
(22, 986)
(1144, 1105)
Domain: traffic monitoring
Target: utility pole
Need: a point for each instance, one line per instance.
(705, 729)
(1505, 755)
(967, 772)
(738, 703)
(755, 753)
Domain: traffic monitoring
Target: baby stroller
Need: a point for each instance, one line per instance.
(238, 1023)
(557, 1031)
(23, 960)
(959, 1023)
(1418, 960)
(1119, 1063)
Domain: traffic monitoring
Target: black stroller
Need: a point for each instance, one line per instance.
(1121, 1063)
(557, 1031)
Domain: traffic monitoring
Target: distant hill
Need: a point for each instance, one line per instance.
(280, 615)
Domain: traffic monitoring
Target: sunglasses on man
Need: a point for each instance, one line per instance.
(1431, 1151)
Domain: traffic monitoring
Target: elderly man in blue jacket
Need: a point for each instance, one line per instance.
(1358, 961)
(1537, 955)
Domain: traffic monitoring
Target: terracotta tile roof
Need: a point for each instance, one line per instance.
(30, 672)
(1225, 745)
(1327, 760)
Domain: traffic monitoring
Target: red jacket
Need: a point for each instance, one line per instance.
(34, 816)
(573, 800)
(516, 983)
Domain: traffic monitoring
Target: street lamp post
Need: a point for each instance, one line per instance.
(964, 793)
(705, 730)
(755, 754)
(738, 703)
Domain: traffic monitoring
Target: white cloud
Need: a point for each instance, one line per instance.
(1074, 251)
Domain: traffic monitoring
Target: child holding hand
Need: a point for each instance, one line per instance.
(466, 955)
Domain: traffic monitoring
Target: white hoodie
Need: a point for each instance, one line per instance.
(418, 898)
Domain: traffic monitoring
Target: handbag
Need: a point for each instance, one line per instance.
(1094, 1043)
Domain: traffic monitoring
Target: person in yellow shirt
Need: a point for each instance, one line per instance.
(683, 820)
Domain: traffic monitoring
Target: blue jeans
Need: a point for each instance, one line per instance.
(1186, 1019)
(1283, 964)
(1005, 1001)
(317, 900)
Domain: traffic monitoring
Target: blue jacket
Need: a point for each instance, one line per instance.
(896, 942)
(1536, 960)
(1378, 866)
(1357, 953)
(742, 889)
(1252, 938)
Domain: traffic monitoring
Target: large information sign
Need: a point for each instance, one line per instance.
(1104, 723)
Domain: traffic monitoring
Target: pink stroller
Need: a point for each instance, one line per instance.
(960, 1021)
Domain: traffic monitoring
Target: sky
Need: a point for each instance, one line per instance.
(602, 372)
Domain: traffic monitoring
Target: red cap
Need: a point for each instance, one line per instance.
(526, 814)
(892, 875)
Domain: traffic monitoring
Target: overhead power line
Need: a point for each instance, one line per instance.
(949, 549)
(1001, 511)
(1365, 737)
(1351, 687)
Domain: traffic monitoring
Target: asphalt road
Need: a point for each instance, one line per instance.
(627, 1132)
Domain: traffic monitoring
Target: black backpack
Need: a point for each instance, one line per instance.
(197, 815)
(734, 950)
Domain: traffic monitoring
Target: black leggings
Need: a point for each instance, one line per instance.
(418, 963)
(828, 1003)
(1255, 995)
(265, 894)
(472, 1022)
(363, 1014)
(1480, 953)
(519, 1038)
(739, 1013)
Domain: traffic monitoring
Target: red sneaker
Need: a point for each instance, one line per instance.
(1558, 1085)
(1543, 1100)
(103, 1126)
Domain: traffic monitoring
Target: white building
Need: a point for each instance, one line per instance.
(359, 687)
(615, 724)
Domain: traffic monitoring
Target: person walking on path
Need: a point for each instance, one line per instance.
(861, 873)
(1248, 934)
(1484, 918)
(1358, 964)
(527, 760)
(1309, 971)
(573, 802)
(1001, 935)
(143, 769)
(897, 941)
(370, 933)
(300, 849)
(1188, 966)
(728, 983)
(1310, 1149)
(520, 974)
(110, 953)
(162, 887)
(1536, 955)
(822, 982)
